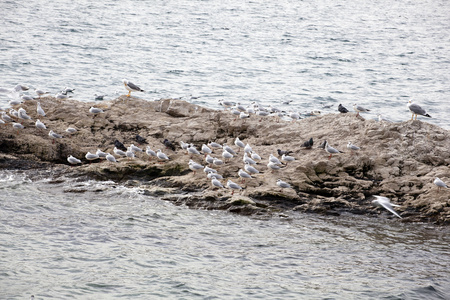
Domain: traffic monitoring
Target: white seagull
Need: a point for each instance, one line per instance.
(161, 155)
(39, 110)
(73, 160)
(131, 87)
(233, 186)
(359, 108)
(283, 184)
(215, 182)
(415, 109)
(386, 203)
(40, 125)
(331, 150)
(239, 143)
(352, 147)
(440, 184)
(150, 153)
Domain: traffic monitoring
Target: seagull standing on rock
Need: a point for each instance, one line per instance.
(352, 147)
(416, 110)
(440, 184)
(282, 184)
(73, 160)
(162, 156)
(54, 135)
(233, 186)
(359, 108)
(131, 87)
(331, 150)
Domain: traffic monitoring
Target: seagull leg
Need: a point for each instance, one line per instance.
(129, 94)
(412, 116)
(329, 157)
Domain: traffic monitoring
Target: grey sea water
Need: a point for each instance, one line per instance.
(100, 240)
(92, 240)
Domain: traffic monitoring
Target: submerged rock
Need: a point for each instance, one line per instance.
(396, 160)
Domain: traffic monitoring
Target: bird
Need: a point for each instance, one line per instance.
(283, 184)
(67, 90)
(73, 160)
(352, 147)
(227, 155)
(217, 162)
(6, 118)
(119, 145)
(281, 152)
(244, 175)
(206, 150)
(95, 110)
(130, 153)
(342, 109)
(209, 159)
(214, 145)
(119, 152)
(212, 174)
(150, 152)
(39, 110)
(359, 108)
(244, 116)
(215, 181)
(135, 148)
(440, 184)
(233, 186)
(184, 145)
(273, 166)
(248, 160)
(287, 158)
(194, 166)
(228, 149)
(250, 169)
(308, 144)
(416, 110)
(162, 156)
(22, 113)
(101, 154)
(331, 150)
(91, 156)
(18, 126)
(386, 203)
(110, 158)
(71, 130)
(209, 170)
(131, 87)
(61, 96)
(26, 98)
(99, 96)
(226, 104)
(54, 135)
(247, 148)
(239, 143)
(169, 144)
(140, 139)
(40, 125)
(274, 160)
(255, 156)
(192, 150)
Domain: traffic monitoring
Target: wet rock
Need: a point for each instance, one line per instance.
(396, 160)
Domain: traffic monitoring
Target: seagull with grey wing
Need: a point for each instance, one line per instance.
(386, 203)
(359, 108)
(440, 184)
(416, 110)
(131, 87)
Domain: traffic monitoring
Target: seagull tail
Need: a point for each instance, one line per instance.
(427, 115)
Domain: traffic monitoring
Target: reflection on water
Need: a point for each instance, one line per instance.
(112, 241)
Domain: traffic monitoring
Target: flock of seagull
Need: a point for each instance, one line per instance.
(250, 158)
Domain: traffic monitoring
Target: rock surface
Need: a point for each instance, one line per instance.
(396, 160)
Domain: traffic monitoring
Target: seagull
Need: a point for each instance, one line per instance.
(233, 186)
(91, 156)
(381, 119)
(228, 149)
(71, 130)
(287, 158)
(217, 162)
(274, 160)
(131, 87)
(243, 175)
(119, 152)
(308, 144)
(226, 104)
(26, 98)
(209, 159)
(244, 116)
(194, 166)
(54, 135)
(67, 90)
(386, 203)
(255, 156)
(73, 160)
(440, 184)
(359, 109)
(101, 154)
(239, 143)
(40, 125)
(248, 160)
(61, 96)
(416, 110)
(212, 174)
(192, 150)
(209, 170)
(135, 148)
(331, 150)
(283, 184)
(161, 155)
(247, 148)
(110, 158)
(150, 152)
(18, 126)
(352, 147)
(227, 155)
(23, 114)
(214, 145)
(250, 169)
(95, 110)
(206, 150)
(129, 153)
(215, 182)
(20, 87)
(98, 96)
(39, 110)
(184, 145)
(273, 166)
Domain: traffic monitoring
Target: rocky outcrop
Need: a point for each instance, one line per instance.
(396, 160)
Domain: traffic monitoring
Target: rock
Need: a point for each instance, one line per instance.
(396, 160)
